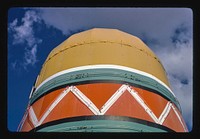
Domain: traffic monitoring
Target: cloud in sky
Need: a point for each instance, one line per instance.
(167, 31)
(23, 33)
(178, 62)
(151, 21)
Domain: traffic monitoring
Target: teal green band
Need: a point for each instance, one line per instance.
(100, 126)
(105, 75)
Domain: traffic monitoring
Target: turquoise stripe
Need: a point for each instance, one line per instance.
(107, 75)
(100, 126)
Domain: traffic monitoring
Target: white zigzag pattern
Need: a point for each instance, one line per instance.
(106, 106)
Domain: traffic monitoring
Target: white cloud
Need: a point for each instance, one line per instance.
(136, 21)
(23, 33)
(30, 56)
(178, 62)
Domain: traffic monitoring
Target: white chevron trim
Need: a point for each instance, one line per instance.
(179, 118)
(113, 99)
(53, 105)
(165, 113)
(87, 102)
(33, 117)
(142, 103)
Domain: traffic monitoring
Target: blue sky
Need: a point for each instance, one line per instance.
(34, 32)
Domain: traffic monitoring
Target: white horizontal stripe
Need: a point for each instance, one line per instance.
(105, 67)
(31, 92)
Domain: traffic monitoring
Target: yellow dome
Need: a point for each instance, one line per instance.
(102, 46)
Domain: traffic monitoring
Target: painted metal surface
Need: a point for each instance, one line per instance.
(102, 78)
(102, 46)
(104, 73)
(114, 124)
(105, 99)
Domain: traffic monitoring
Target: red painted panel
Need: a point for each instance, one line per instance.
(69, 106)
(126, 105)
(41, 105)
(173, 122)
(154, 101)
(99, 93)
(27, 126)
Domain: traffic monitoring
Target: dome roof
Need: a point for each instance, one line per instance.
(102, 46)
(103, 35)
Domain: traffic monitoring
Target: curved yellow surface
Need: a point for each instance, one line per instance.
(102, 46)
